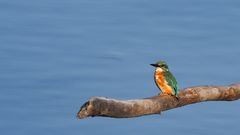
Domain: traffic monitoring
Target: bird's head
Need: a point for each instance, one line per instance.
(161, 64)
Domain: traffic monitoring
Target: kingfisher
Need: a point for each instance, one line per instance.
(165, 80)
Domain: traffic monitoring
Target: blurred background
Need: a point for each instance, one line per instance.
(56, 54)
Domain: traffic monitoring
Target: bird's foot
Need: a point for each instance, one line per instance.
(162, 94)
(176, 97)
(165, 94)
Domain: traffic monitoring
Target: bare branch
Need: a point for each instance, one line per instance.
(101, 106)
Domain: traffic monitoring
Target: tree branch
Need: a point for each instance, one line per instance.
(101, 106)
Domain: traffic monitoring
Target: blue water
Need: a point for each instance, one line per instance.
(56, 54)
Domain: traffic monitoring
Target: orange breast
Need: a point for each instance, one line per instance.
(162, 83)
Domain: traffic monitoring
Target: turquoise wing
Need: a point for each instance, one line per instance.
(172, 81)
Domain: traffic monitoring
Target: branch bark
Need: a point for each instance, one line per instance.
(102, 106)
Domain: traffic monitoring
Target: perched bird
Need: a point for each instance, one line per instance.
(164, 79)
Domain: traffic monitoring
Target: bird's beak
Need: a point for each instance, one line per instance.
(155, 65)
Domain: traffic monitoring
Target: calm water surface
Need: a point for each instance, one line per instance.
(56, 54)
